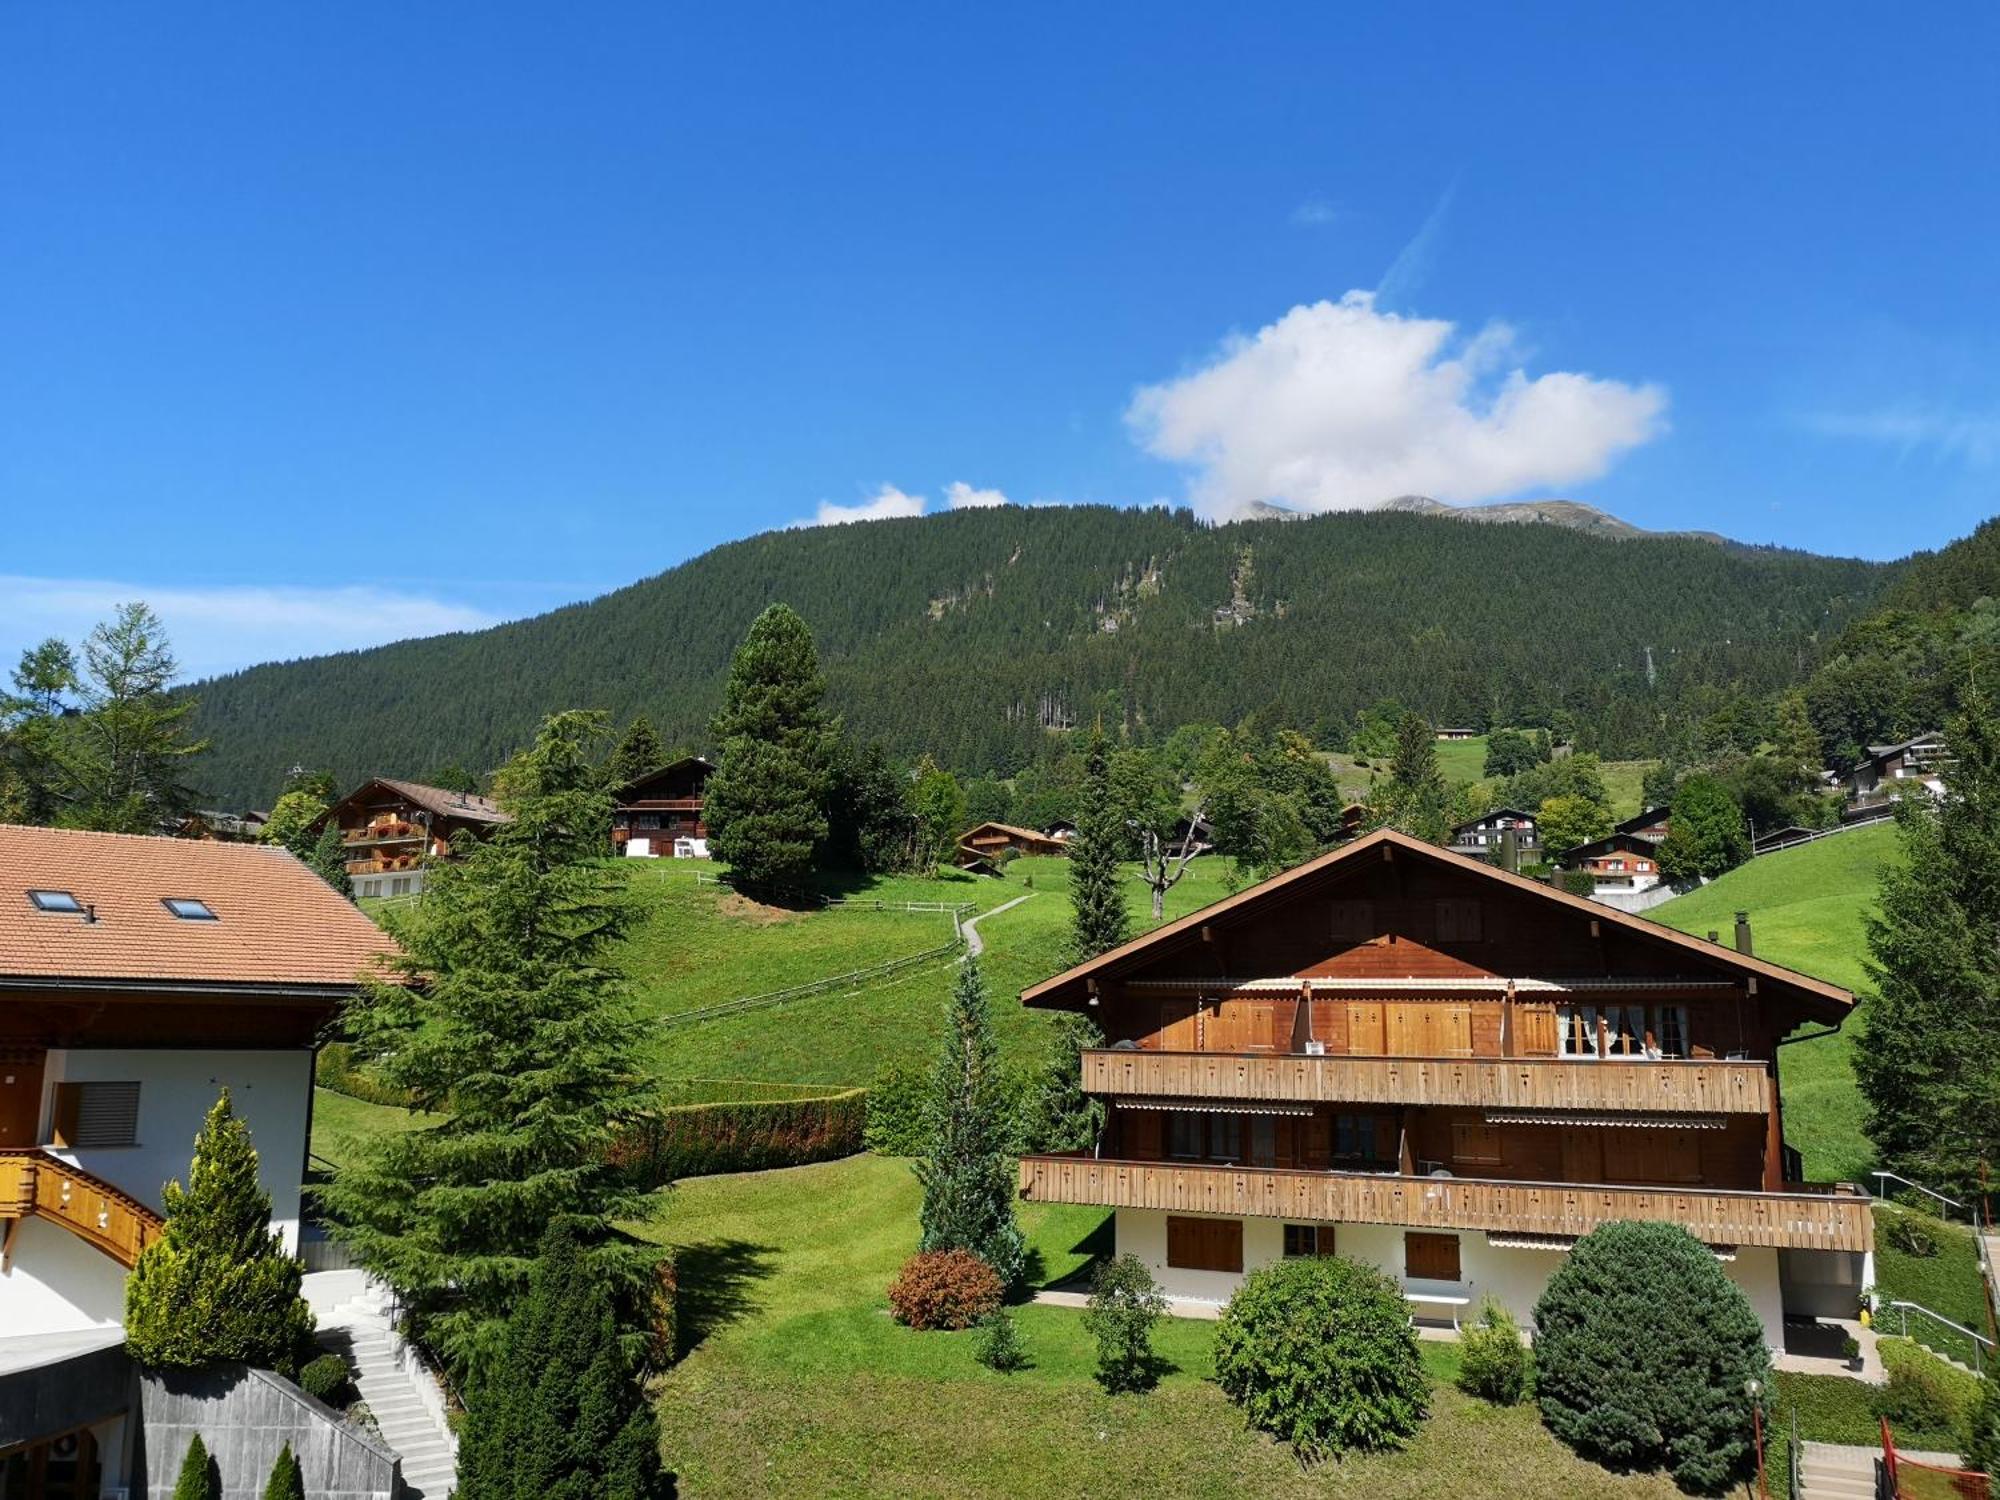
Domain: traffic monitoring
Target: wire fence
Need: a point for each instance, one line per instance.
(854, 979)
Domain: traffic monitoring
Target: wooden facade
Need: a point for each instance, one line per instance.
(36, 1185)
(1394, 1034)
(664, 808)
(391, 830)
(985, 843)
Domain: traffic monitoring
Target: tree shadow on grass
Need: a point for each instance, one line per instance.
(1099, 1245)
(714, 1282)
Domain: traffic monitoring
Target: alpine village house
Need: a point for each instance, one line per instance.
(393, 830)
(661, 812)
(139, 977)
(1407, 1056)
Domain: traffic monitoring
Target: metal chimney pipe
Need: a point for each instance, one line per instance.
(1743, 945)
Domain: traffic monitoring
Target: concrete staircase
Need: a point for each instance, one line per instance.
(353, 1313)
(1832, 1471)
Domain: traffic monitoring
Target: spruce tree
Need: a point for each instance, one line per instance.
(766, 803)
(638, 752)
(559, 1412)
(1929, 1059)
(968, 1188)
(218, 1286)
(286, 1482)
(199, 1479)
(1415, 799)
(1062, 1116)
(1100, 921)
(521, 1042)
(329, 860)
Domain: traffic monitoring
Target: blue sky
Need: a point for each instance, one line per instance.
(324, 325)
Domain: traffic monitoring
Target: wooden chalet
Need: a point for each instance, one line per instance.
(1411, 1057)
(661, 812)
(393, 830)
(1651, 824)
(1620, 862)
(1492, 835)
(1884, 771)
(983, 845)
(1455, 732)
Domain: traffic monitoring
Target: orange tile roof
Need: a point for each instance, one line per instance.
(277, 923)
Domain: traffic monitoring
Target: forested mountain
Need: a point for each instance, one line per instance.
(969, 634)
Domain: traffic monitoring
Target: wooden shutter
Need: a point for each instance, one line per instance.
(1430, 1257)
(1364, 1028)
(1534, 1030)
(1205, 1244)
(1476, 1143)
(1177, 1026)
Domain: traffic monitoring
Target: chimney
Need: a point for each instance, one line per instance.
(89, 913)
(1743, 945)
(1714, 936)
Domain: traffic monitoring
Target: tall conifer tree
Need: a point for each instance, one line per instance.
(126, 760)
(968, 1189)
(329, 860)
(1929, 1060)
(766, 803)
(1100, 922)
(1415, 799)
(522, 1043)
(638, 752)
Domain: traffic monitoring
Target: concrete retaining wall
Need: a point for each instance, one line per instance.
(245, 1417)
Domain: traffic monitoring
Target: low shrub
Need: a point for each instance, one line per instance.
(325, 1379)
(697, 1140)
(1576, 882)
(1493, 1362)
(1643, 1352)
(1982, 1448)
(1125, 1303)
(1925, 1393)
(999, 1346)
(896, 1123)
(1319, 1353)
(1913, 1233)
(663, 1313)
(944, 1289)
(336, 1068)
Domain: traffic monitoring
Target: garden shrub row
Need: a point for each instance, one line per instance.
(697, 1140)
(337, 1069)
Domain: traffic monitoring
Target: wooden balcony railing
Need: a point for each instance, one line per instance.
(34, 1184)
(1693, 1087)
(1804, 1217)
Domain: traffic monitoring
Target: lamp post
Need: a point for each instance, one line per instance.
(1754, 1389)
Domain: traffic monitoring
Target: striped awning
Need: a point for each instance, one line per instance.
(1218, 1106)
(1500, 1239)
(1621, 1119)
(1324, 984)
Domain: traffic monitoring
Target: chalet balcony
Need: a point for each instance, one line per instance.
(34, 1184)
(1804, 1217)
(1699, 1086)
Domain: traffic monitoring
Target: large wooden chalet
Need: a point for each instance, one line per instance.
(661, 812)
(393, 830)
(984, 844)
(1405, 1055)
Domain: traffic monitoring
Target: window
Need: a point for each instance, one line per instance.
(1430, 1257)
(1670, 1032)
(400, 886)
(55, 901)
(1304, 1239)
(1579, 1030)
(1263, 1141)
(1353, 1137)
(96, 1114)
(1205, 1244)
(1353, 921)
(649, 820)
(188, 909)
(1625, 1030)
(1187, 1136)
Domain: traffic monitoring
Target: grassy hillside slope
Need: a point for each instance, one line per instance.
(1806, 908)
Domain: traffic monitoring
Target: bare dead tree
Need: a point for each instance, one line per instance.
(1163, 864)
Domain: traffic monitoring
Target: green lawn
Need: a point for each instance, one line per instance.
(341, 1123)
(1806, 910)
(797, 1381)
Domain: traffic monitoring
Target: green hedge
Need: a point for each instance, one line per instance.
(336, 1069)
(696, 1140)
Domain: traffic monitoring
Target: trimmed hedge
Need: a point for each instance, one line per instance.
(336, 1069)
(1924, 1393)
(698, 1140)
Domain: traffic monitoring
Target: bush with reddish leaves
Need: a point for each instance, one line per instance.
(944, 1289)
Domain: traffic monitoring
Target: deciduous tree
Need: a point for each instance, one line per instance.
(1705, 837)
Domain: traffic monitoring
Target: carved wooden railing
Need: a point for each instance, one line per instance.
(1693, 1087)
(1804, 1217)
(34, 1184)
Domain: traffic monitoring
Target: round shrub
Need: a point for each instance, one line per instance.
(1319, 1352)
(1125, 1303)
(325, 1379)
(1643, 1349)
(944, 1289)
(999, 1346)
(1493, 1362)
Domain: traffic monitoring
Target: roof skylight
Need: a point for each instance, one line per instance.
(188, 909)
(55, 901)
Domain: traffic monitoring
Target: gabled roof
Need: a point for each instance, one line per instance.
(436, 800)
(1069, 986)
(1631, 843)
(1488, 816)
(277, 924)
(1882, 752)
(708, 766)
(1644, 819)
(1011, 829)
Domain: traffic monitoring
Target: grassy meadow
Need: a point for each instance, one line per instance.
(1807, 908)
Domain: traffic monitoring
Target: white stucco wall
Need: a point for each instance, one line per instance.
(58, 1284)
(1515, 1278)
(271, 1092)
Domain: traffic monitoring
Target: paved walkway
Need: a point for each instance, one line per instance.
(353, 1313)
(974, 943)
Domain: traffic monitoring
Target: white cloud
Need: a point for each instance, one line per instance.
(1339, 406)
(961, 496)
(888, 504)
(1969, 437)
(1314, 212)
(221, 629)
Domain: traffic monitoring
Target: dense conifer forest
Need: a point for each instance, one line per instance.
(969, 635)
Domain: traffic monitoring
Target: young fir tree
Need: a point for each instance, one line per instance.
(125, 761)
(522, 1044)
(1062, 1116)
(217, 1287)
(199, 1479)
(559, 1412)
(286, 1482)
(1929, 1059)
(1100, 922)
(638, 752)
(1415, 799)
(968, 1189)
(766, 803)
(329, 860)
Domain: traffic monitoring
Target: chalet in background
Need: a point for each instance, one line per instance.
(661, 813)
(1885, 771)
(213, 823)
(1619, 863)
(984, 844)
(1457, 732)
(1487, 837)
(139, 977)
(393, 830)
(1450, 1072)
(1651, 824)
